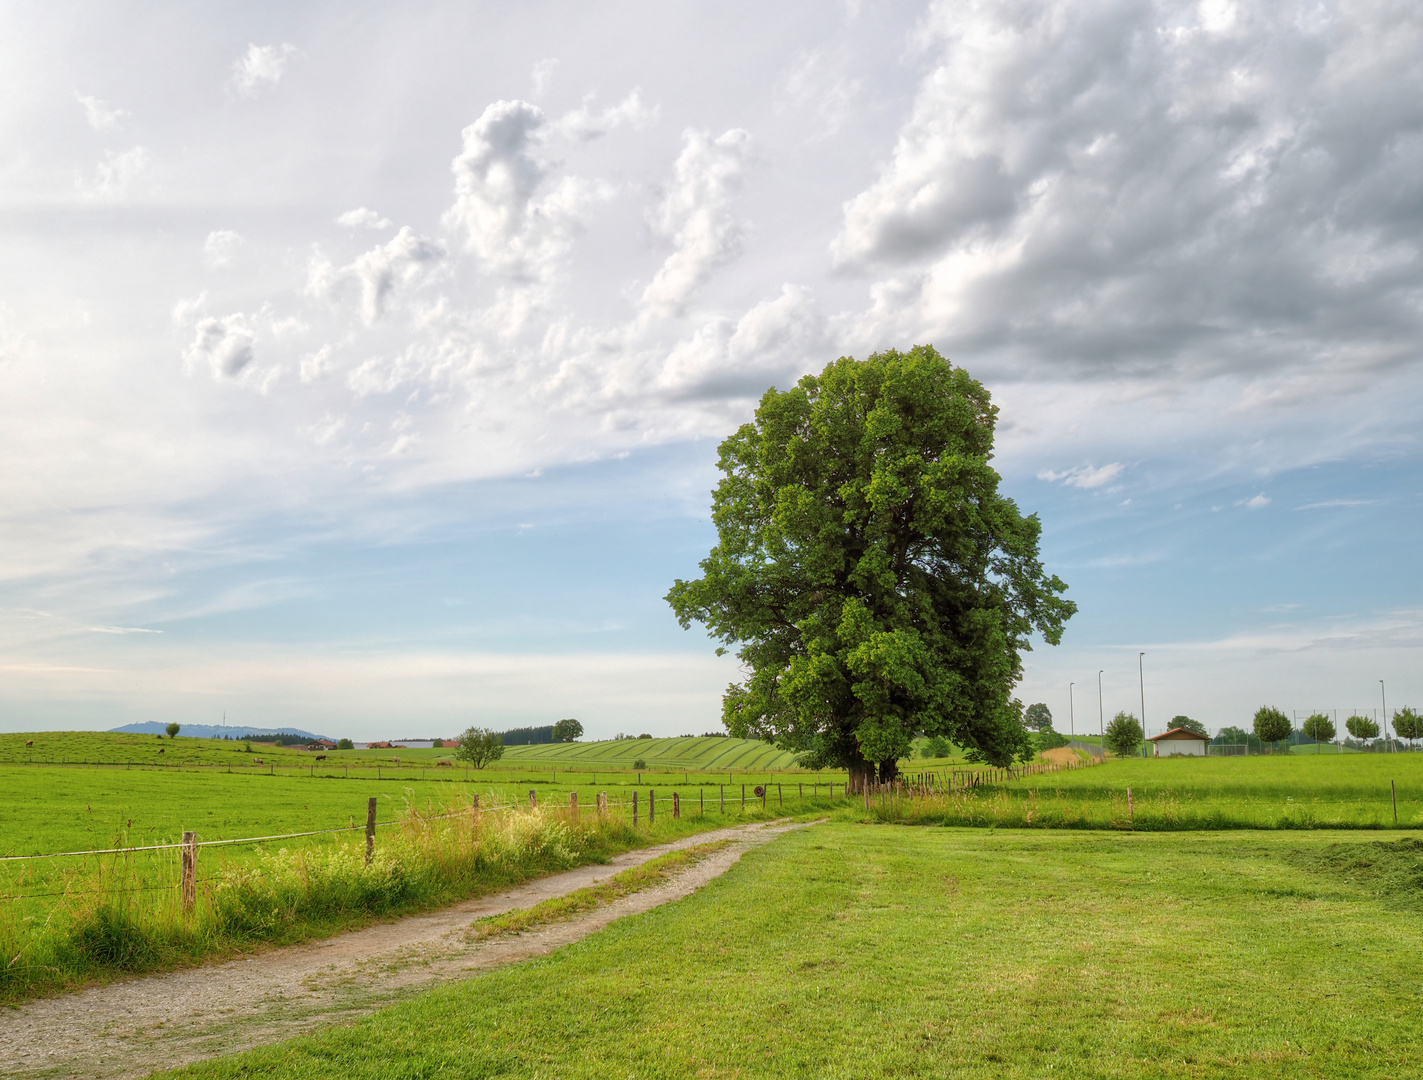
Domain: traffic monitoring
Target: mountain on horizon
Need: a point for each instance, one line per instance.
(214, 731)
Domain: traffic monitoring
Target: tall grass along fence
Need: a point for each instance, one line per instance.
(1005, 804)
(69, 918)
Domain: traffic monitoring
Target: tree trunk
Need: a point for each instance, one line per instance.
(861, 773)
(888, 771)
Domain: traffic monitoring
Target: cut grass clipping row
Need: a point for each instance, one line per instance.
(120, 914)
(874, 951)
(637, 879)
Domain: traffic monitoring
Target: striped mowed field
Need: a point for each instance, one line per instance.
(698, 754)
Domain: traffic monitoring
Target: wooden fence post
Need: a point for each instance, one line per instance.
(676, 806)
(743, 796)
(651, 805)
(533, 798)
(474, 813)
(634, 806)
(370, 829)
(190, 871)
(701, 802)
(573, 804)
(722, 797)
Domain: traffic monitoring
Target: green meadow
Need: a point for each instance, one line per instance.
(851, 950)
(1304, 791)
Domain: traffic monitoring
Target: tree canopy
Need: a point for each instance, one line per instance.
(1271, 725)
(1407, 724)
(567, 730)
(874, 582)
(1189, 724)
(1319, 728)
(1038, 717)
(479, 746)
(1362, 727)
(1123, 734)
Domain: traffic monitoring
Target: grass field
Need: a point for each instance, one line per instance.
(703, 754)
(877, 951)
(1305, 791)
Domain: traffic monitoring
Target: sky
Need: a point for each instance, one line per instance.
(362, 366)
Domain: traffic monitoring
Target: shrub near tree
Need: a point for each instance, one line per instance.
(173, 729)
(1271, 726)
(1123, 734)
(1362, 728)
(479, 746)
(1319, 728)
(872, 578)
(936, 747)
(1407, 724)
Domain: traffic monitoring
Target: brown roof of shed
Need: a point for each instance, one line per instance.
(1180, 733)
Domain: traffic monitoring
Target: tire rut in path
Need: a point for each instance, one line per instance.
(134, 1027)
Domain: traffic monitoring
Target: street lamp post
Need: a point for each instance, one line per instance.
(1071, 730)
(1384, 698)
(1141, 681)
(1101, 724)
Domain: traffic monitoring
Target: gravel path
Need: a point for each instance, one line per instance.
(134, 1027)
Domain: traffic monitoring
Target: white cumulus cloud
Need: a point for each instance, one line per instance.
(259, 66)
(695, 215)
(225, 345)
(116, 174)
(220, 246)
(498, 207)
(363, 218)
(587, 122)
(1084, 476)
(101, 115)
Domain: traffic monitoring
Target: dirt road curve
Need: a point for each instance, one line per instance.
(132, 1028)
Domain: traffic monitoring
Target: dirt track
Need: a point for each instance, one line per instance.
(132, 1028)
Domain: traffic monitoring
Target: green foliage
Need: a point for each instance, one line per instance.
(479, 746)
(173, 729)
(872, 578)
(1319, 728)
(1362, 727)
(345, 744)
(1037, 716)
(1123, 734)
(1271, 725)
(567, 730)
(640, 764)
(936, 746)
(1407, 724)
(1190, 725)
(644, 736)
(1047, 739)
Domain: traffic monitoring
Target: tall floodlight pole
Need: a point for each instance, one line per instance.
(1101, 725)
(1384, 698)
(1071, 731)
(1141, 680)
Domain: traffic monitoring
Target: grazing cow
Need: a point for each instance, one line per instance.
(444, 764)
(258, 761)
(29, 742)
(162, 751)
(396, 760)
(320, 757)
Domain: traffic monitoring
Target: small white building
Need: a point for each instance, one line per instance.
(1180, 740)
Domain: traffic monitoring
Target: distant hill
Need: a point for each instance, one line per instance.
(215, 731)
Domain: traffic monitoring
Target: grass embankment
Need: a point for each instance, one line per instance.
(872, 951)
(66, 922)
(1279, 792)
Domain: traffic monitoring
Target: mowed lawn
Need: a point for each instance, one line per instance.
(850, 950)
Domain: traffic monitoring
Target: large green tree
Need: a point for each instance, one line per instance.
(479, 746)
(1271, 725)
(869, 574)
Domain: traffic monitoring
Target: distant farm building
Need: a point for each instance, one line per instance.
(1180, 740)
